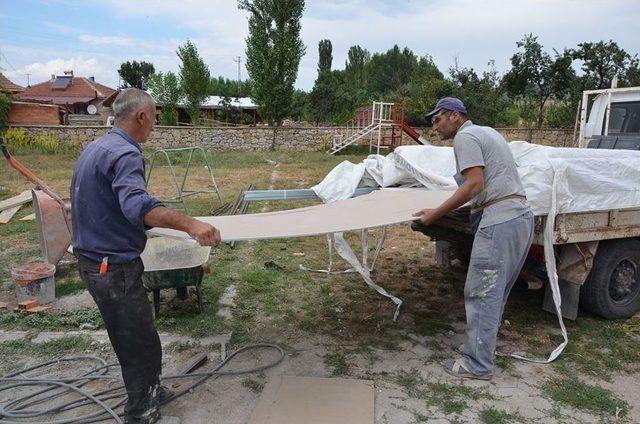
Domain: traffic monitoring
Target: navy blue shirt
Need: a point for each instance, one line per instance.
(109, 199)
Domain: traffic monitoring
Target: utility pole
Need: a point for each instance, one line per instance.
(28, 75)
(238, 59)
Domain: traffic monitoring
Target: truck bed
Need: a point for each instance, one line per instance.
(569, 228)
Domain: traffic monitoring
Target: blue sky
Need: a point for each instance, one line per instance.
(41, 38)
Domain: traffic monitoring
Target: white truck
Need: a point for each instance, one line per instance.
(598, 253)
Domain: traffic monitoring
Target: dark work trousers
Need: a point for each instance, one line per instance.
(126, 312)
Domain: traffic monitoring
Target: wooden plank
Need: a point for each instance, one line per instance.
(19, 200)
(29, 217)
(7, 214)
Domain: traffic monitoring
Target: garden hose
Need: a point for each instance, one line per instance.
(29, 407)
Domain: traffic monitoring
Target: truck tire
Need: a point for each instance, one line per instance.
(612, 289)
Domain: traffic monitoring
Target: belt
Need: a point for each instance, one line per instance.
(494, 201)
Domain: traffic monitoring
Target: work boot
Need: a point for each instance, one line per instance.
(151, 418)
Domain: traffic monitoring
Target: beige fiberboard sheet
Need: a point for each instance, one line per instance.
(308, 400)
(379, 208)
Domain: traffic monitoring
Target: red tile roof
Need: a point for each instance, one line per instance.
(8, 86)
(81, 90)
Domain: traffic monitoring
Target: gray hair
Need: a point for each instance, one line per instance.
(129, 101)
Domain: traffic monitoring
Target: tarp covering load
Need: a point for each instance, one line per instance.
(592, 179)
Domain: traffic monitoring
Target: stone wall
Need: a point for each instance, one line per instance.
(265, 138)
(545, 136)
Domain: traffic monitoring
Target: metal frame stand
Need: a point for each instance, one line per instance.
(182, 193)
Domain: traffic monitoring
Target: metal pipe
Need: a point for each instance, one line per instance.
(294, 194)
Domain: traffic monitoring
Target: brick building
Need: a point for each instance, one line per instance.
(80, 97)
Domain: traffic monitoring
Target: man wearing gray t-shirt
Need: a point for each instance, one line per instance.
(502, 223)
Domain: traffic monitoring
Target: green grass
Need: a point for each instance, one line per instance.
(339, 362)
(16, 354)
(449, 398)
(427, 325)
(496, 416)
(452, 398)
(585, 397)
(253, 385)
(53, 320)
(68, 287)
(54, 347)
(599, 348)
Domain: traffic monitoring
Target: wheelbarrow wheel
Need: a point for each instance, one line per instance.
(182, 293)
(156, 303)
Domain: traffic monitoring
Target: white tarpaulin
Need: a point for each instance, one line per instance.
(591, 179)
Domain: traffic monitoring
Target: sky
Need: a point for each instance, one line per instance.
(93, 38)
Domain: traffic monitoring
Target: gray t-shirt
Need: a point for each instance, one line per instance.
(474, 145)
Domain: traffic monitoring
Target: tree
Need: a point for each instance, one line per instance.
(536, 77)
(602, 61)
(136, 74)
(274, 49)
(322, 97)
(356, 66)
(482, 96)
(389, 71)
(420, 94)
(194, 79)
(222, 87)
(299, 106)
(325, 56)
(5, 105)
(166, 91)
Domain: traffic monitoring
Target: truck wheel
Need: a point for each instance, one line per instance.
(612, 289)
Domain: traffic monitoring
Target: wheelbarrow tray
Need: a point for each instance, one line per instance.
(170, 263)
(172, 278)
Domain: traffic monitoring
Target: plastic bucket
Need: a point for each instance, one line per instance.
(35, 280)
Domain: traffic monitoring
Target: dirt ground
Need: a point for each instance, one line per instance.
(333, 325)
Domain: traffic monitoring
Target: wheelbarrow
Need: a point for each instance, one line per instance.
(53, 216)
(173, 264)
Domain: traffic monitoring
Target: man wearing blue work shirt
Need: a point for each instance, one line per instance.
(110, 210)
(502, 224)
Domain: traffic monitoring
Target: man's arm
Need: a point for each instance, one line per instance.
(203, 233)
(472, 186)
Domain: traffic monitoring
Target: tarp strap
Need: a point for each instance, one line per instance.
(552, 273)
(346, 252)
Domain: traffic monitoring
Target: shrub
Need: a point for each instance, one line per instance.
(5, 105)
(19, 141)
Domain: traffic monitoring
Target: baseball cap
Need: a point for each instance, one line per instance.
(448, 103)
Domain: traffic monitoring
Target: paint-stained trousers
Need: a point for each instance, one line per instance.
(498, 254)
(125, 309)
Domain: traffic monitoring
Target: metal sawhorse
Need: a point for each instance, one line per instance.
(182, 193)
